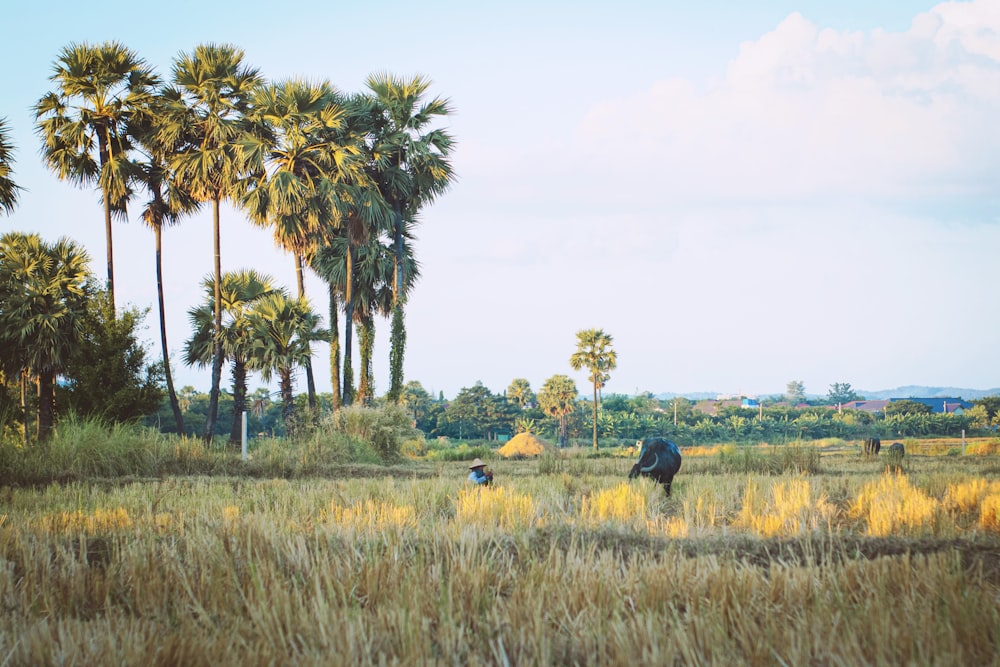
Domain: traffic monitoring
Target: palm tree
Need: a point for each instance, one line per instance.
(363, 273)
(8, 189)
(372, 295)
(411, 164)
(43, 297)
(208, 102)
(308, 160)
(594, 351)
(166, 202)
(241, 290)
(85, 122)
(557, 398)
(281, 332)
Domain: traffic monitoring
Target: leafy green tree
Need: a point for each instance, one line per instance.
(43, 300)
(478, 413)
(411, 164)
(282, 330)
(907, 407)
(85, 122)
(416, 400)
(107, 372)
(991, 404)
(594, 352)
(841, 392)
(519, 393)
(795, 392)
(207, 105)
(557, 398)
(8, 189)
(241, 290)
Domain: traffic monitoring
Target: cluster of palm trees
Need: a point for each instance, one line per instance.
(339, 178)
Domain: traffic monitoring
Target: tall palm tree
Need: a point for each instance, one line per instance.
(241, 290)
(411, 164)
(328, 262)
(43, 297)
(308, 160)
(363, 273)
(8, 189)
(594, 351)
(209, 101)
(84, 123)
(166, 201)
(281, 332)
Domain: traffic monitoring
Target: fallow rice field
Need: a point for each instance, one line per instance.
(761, 556)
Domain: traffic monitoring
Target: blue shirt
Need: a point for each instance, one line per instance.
(477, 476)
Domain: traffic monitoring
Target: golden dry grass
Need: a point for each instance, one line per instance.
(838, 568)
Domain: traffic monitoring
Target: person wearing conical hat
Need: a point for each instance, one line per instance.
(479, 473)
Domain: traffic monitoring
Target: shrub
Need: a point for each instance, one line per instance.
(385, 427)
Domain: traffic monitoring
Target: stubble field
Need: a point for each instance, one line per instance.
(848, 562)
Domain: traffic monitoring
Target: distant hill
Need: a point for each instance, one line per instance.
(914, 391)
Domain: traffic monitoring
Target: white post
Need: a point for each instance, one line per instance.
(243, 447)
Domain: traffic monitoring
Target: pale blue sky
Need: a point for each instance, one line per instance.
(742, 194)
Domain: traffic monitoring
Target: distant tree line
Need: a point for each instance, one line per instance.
(560, 414)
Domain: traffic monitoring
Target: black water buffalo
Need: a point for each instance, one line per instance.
(872, 446)
(659, 459)
(896, 450)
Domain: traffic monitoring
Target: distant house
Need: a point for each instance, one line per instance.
(711, 406)
(865, 406)
(951, 406)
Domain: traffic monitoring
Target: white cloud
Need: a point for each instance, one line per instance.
(804, 112)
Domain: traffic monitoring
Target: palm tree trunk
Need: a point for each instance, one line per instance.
(239, 402)
(288, 401)
(102, 143)
(334, 348)
(213, 397)
(397, 339)
(398, 333)
(348, 393)
(310, 382)
(174, 405)
(366, 342)
(595, 415)
(24, 407)
(46, 404)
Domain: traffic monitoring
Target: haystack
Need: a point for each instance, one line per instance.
(522, 446)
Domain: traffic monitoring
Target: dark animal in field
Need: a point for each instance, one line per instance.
(659, 459)
(896, 450)
(872, 446)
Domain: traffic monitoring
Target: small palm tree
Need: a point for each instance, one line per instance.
(557, 398)
(281, 331)
(208, 104)
(8, 189)
(85, 122)
(594, 351)
(241, 290)
(43, 297)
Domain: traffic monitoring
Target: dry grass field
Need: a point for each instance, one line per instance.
(854, 562)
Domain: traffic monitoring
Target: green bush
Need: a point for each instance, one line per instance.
(386, 428)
